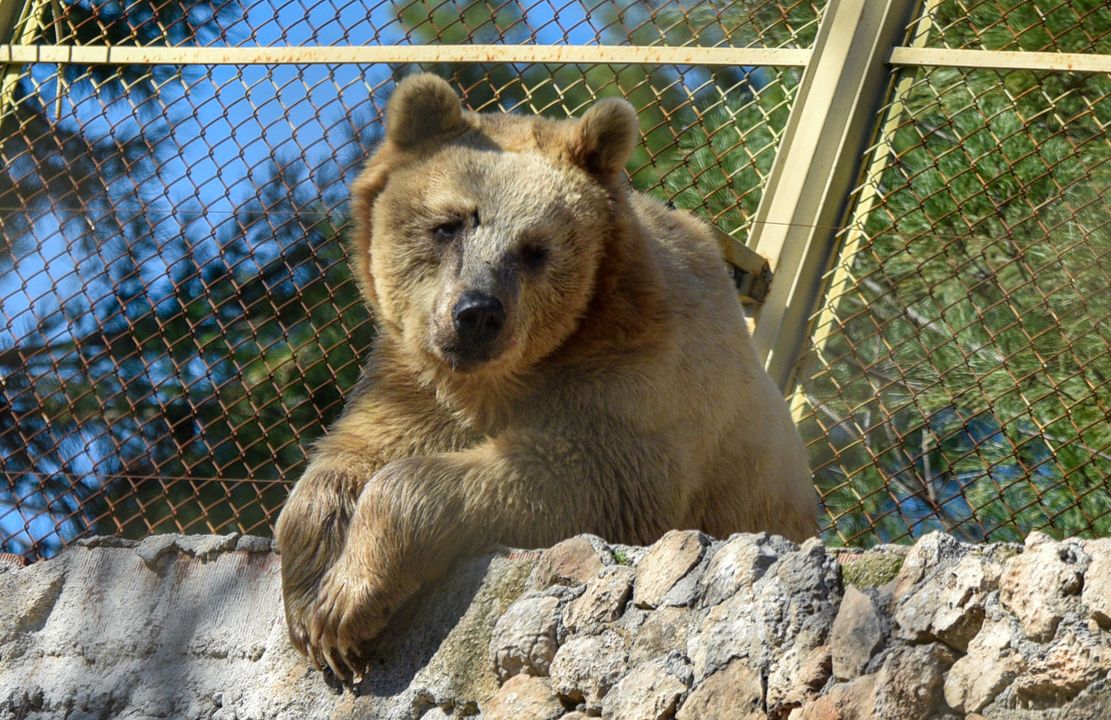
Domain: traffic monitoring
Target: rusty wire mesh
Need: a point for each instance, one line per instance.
(959, 374)
(752, 23)
(177, 319)
(1078, 26)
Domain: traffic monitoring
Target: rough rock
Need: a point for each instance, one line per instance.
(858, 633)
(585, 668)
(436, 713)
(156, 547)
(571, 562)
(662, 631)
(804, 592)
(649, 692)
(601, 603)
(1076, 660)
(1042, 584)
(910, 684)
(524, 639)
(750, 627)
(254, 544)
(853, 700)
(665, 565)
(929, 553)
(797, 597)
(976, 679)
(28, 597)
(524, 697)
(734, 692)
(949, 603)
(741, 561)
(1097, 582)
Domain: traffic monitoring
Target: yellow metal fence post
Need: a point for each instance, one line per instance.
(19, 23)
(829, 288)
(816, 166)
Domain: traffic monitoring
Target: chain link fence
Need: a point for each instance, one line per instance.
(178, 322)
(957, 377)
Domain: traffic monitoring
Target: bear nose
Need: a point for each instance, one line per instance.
(478, 318)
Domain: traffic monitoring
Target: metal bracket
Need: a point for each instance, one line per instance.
(752, 273)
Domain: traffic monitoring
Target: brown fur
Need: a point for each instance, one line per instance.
(623, 397)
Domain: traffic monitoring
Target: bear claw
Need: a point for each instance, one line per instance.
(345, 617)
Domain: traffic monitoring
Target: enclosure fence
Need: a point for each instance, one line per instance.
(915, 195)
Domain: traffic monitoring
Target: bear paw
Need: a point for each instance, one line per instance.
(298, 615)
(348, 614)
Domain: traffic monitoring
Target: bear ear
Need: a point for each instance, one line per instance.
(421, 108)
(605, 137)
(364, 191)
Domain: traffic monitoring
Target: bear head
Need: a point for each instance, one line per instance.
(478, 238)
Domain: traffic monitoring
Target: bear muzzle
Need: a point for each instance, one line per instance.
(478, 320)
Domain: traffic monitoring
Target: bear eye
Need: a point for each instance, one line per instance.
(534, 255)
(446, 232)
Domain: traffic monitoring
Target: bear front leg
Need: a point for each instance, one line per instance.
(310, 534)
(417, 516)
(388, 552)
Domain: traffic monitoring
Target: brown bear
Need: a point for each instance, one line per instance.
(556, 355)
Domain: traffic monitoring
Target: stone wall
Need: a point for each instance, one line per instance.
(690, 628)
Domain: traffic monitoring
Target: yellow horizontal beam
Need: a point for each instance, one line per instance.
(541, 54)
(1001, 60)
(369, 54)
